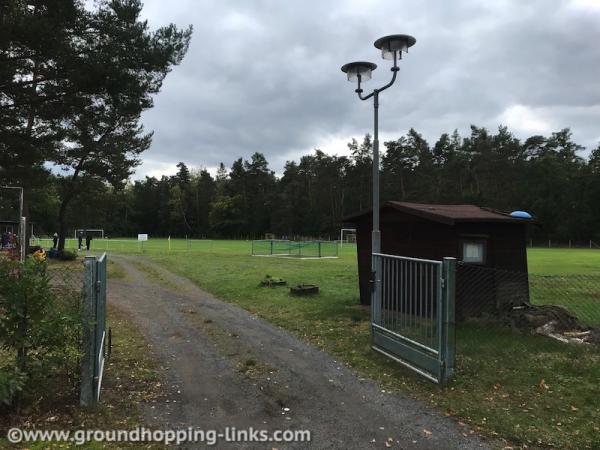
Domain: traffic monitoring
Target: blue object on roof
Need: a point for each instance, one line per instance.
(521, 215)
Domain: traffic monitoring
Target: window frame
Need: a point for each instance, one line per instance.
(478, 240)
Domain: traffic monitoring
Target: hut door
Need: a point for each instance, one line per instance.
(412, 314)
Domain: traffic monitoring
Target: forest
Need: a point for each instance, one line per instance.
(545, 175)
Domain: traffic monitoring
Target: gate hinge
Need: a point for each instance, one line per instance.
(98, 286)
(443, 282)
(372, 281)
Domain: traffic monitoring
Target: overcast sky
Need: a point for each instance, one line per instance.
(264, 75)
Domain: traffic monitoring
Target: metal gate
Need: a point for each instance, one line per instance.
(412, 313)
(94, 336)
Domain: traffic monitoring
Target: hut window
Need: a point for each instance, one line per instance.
(474, 251)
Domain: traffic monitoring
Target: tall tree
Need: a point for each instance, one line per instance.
(35, 78)
(126, 63)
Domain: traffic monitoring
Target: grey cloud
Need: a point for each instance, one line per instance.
(264, 75)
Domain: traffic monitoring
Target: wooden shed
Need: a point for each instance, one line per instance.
(478, 237)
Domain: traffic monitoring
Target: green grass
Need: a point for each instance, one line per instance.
(550, 261)
(567, 277)
(523, 388)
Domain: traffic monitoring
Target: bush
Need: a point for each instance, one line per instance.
(11, 382)
(67, 255)
(39, 329)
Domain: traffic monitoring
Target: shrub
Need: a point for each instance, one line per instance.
(67, 255)
(11, 382)
(38, 328)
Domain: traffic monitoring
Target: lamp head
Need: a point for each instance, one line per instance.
(362, 68)
(394, 44)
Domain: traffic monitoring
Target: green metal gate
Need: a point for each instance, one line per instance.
(412, 313)
(94, 336)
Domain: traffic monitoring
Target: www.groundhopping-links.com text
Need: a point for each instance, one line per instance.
(167, 437)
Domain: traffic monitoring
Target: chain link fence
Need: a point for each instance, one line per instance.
(566, 303)
(66, 279)
(528, 355)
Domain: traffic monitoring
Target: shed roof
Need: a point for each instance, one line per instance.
(448, 214)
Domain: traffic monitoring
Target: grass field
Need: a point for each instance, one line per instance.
(541, 261)
(546, 261)
(527, 389)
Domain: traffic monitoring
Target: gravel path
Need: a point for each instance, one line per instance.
(224, 367)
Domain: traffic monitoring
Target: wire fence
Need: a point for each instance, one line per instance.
(571, 300)
(66, 278)
(528, 354)
(295, 249)
(569, 243)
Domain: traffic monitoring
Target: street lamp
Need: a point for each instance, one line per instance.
(391, 48)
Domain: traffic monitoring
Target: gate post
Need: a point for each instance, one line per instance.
(376, 263)
(88, 339)
(448, 350)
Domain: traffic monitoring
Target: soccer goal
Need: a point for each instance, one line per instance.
(347, 236)
(95, 233)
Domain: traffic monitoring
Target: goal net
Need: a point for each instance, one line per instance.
(347, 235)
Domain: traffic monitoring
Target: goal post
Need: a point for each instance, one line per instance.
(350, 233)
(97, 232)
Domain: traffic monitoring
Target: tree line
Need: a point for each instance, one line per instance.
(545, 175)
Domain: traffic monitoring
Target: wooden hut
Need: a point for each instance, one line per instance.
(487, 242)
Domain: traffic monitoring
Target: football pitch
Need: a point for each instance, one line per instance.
(541, 261)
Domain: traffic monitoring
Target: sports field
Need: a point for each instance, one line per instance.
(569, 277)
(541, 261)
(530, 389)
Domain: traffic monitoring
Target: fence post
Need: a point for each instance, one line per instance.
(86, 395)
(319, 248)
(448, 317)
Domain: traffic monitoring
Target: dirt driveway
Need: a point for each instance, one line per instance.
(224, 367)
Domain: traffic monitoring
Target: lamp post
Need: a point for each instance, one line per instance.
(391, 48)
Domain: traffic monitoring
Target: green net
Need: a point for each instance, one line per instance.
(295, 249)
